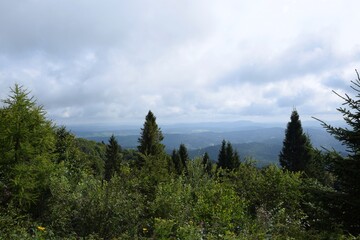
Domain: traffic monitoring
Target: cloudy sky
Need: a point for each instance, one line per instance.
(111, 61)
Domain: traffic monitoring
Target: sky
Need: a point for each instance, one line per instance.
(110, 62)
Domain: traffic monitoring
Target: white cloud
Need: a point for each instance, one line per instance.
(186, 60)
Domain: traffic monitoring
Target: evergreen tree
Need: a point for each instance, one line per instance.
(65, 148)
(151, 137)
(175, 157)
(232, 157)
(347, 169)
(206, 162)
(27, 143)
(113, 158)
(296, 152)
(184, 156)
(222, 155)
(228, 159)
(180, 158)
(235, 160)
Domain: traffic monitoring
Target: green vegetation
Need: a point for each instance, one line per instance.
(113, 158)
(297, 150)
(54, 186)
(228, 158)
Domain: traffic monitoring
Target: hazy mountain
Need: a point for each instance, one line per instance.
(260, 141)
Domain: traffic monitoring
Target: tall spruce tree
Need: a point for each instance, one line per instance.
(228, 158)
(180, 158)
(222, 155)
(232, 157)
(206, 162)
(347, 169)
(151, 137)
(175, 157)
(65, 148)
(184, 156)
(113, 158)
(296, 151)
(235, 160)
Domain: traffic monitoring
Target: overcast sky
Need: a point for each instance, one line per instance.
(111, 61)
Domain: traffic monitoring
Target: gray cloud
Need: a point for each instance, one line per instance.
(87, 61)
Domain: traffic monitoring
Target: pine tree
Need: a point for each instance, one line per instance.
(228, 159)
(206, 162)
(347, 169)
(151, 137)
(296, 152)
(184, 156)
(222, 155)
(180, 158)
(175, 157)
(65, 148)
(235, 160)
(113, 158)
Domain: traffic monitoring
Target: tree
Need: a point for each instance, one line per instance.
(347, 169)
(206, 162)
(175, 157)
(113, 158)
(184, 156)
(65, 148)
(228, 158)
(151, 137)
(232, 157)
(296, 152)
(222, 155)
(27, 143)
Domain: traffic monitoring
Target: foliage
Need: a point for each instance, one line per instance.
(91, 206)
(65, 148)
(180, 158)
(113, 158)
(198, 205)
(228, 158)
(52, 187)
(151, 137)
(347, 169)
(178, 165)
(26, 145)
(274, 198)
(90, 157)
(184, 156)
(296, 152)
(207, 162)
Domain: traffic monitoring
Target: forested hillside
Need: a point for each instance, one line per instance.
(261, 143)
(56, 186)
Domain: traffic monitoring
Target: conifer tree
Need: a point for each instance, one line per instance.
(235, 160)
(175, 157)
(228, 159)
(113, 158)
(206, 162)
(347, 169)
(27, 143)
(222, 155)
(151, 137)
(65, 148)
(184, 156)
(296, 152)
(232, 157)
(180, 158)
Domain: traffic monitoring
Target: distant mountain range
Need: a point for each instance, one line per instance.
(262, 142)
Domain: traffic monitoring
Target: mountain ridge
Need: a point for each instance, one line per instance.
(261, 143)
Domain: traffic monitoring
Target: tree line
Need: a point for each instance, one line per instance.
(56, 186)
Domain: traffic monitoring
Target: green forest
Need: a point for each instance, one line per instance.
(56, 186)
